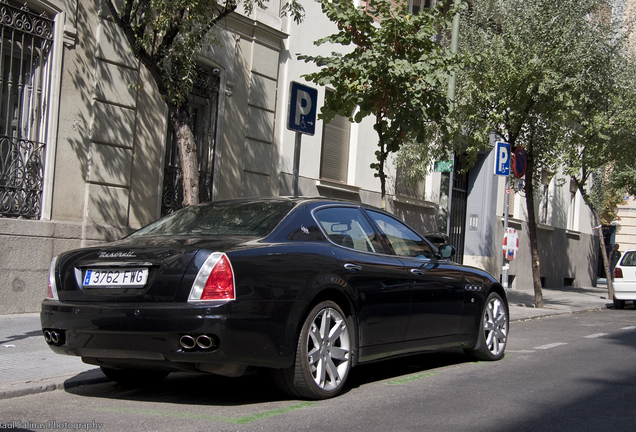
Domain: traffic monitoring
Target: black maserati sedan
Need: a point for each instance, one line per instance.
(306, 288)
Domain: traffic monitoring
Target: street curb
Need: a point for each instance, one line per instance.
(553, 313)
(63, 382)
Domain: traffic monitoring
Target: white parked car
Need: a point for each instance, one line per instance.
(625, 280)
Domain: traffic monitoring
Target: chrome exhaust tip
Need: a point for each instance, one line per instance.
(205, 342)
(53, 337)
(187, 342)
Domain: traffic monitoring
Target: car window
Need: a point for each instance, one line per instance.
(629, 259)
(403, 240)
(347, 227)
(256, 218)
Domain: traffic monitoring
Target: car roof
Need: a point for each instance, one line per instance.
(318, 200)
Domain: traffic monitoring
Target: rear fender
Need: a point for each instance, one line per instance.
(327, 286)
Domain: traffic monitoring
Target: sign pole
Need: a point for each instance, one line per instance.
(502, 168)
(303, 103)
(296, 163)
(506, 265)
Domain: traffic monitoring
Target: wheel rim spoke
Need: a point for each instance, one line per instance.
(328, 349)
(495, 326)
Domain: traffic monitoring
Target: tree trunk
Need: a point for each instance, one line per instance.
(532, 230)
(381, 156)
(606, 263)
(188, 154)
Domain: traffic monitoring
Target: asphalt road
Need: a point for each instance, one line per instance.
(562, 373)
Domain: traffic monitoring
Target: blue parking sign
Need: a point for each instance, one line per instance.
(502, 159)
(303, 102)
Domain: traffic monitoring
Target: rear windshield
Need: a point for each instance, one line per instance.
(629, 259)
(224, 218)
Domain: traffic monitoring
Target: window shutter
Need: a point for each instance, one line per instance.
(334, 159)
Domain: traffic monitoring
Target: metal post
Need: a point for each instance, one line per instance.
(296, 163)
(506, 266)
(454, 44)
(451, 98)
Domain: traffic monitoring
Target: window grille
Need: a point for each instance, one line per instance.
(26, 40)
(203, 110)
(459, 200)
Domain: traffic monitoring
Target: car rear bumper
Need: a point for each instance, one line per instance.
(624, 290)
(149, 335)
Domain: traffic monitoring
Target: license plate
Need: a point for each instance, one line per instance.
(113, 277)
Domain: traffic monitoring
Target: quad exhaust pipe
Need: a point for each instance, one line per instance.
(53, 337)
(202, 342)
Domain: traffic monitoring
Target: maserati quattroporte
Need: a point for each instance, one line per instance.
(305, 288)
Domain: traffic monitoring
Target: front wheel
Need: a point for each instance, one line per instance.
(323, 355)
(493, 330)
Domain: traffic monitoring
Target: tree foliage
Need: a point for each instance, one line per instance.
(396, 71)
(166, 36)
(544, 75)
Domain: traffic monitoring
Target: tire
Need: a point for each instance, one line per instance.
(493, 330)
(619, 304)
(323, 355)
(135, 378)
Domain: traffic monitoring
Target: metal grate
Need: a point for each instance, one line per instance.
(457, 232)
(26, 39)
(202, 106)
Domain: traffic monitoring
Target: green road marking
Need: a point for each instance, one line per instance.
(412, 378)
(193, 416)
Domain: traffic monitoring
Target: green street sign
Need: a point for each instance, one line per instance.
(443, 166)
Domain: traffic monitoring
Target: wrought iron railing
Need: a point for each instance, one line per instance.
(21, 171)
(172, 198)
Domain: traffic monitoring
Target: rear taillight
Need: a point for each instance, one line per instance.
(618, 273)
(51, 293)
(215, 280)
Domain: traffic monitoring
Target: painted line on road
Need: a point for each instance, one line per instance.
(195, 416)
(595, 335)
(412, 378)
(552, 345)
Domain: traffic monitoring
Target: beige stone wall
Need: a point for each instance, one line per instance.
(626, 226)
(28, 247)
(108, 158)
(111, 133)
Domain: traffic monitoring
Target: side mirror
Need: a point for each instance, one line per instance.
(446, 251)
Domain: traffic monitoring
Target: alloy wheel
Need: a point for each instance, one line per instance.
(328, 349)
(495, 326)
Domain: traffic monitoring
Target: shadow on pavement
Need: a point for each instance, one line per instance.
(254, 387)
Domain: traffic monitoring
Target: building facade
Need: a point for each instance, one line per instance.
(87, 153)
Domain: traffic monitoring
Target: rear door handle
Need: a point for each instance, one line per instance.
(352, 267)
(417, 272)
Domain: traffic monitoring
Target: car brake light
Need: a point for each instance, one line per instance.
(618, 273)
(51, 292)
(215, 280)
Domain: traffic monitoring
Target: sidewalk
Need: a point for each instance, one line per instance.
(28, 366)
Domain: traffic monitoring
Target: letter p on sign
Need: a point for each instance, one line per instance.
(502, 159)
(303, 105)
